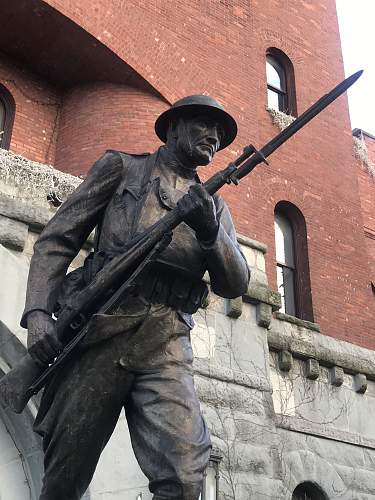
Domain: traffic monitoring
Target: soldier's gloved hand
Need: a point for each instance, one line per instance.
(42, 341)
(199, 212)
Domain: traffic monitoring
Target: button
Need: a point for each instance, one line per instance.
(122, 363)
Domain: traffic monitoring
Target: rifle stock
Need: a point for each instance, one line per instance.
(17, 386)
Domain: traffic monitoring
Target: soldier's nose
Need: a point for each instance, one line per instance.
(213, 140)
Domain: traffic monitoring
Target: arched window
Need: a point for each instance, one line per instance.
(292, 264)
(308, 491)
(281, 94)
(2, 118)
(7, 109)
(285, 263)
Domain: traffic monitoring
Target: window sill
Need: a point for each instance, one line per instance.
(297, 321)
(280, 119)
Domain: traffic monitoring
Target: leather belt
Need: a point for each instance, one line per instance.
(171, 288)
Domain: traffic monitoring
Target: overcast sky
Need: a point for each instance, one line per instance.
(357, 29)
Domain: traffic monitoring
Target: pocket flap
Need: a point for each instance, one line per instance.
(135, 191)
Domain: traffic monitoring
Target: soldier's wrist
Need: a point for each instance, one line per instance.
(37, 313)
(208, 238)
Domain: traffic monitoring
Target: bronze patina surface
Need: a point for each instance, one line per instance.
(139, 357)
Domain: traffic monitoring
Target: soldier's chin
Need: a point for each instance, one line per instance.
(202, 157)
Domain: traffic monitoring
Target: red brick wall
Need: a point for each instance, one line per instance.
(367, 194)
(219, 47)
(104, 116)
(36, 117)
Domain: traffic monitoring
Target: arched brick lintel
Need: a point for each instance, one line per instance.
(159, 60)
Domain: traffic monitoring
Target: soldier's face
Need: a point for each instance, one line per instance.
(198, 139)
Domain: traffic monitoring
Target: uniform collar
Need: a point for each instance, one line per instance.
(168, 160)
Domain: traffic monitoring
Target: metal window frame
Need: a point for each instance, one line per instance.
(283, 98)
(7, 100)
(284, 67)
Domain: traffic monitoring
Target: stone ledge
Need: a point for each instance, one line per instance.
(13, 234)
(24, 178)
(248, 242)
(297, 321)
(320, 430)
(260, 293)
(305, 343)
(216, 372)
(32, 214)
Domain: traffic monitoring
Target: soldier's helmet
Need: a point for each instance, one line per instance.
(195, 105)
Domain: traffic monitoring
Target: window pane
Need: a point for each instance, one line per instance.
(273, 73)
(2, 121)
(285, 286)
(285, 263)
(284, 241)
(289, 298)
(273, 101)
(280, 287)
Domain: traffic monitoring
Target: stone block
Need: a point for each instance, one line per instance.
(260, 262)
(264, 314)
(28, 211)
(233, 307)
(360, 383)
(258, 276)
(307, 343)
(258, 292)
(336, 376)
(297, 321)
(250, 255)
(13, 234)
(312, 369)
(285, 360)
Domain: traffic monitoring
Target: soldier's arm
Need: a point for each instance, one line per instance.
(226, 264)
(66, 232)
(213, 226)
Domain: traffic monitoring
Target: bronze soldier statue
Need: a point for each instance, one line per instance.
(138, 358)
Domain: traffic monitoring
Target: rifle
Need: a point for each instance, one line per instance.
(112, 283)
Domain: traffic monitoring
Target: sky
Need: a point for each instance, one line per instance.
(357, 31)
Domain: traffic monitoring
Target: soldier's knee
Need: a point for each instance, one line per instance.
(191, 491)
(175, 490)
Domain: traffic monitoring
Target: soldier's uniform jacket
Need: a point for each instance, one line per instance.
(125, 194)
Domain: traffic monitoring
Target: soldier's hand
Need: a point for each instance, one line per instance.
(199, 211)
(42, 341)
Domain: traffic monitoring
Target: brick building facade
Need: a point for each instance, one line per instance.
(70, 113)
(91, 76)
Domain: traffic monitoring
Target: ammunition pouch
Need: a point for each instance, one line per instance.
(164, 285)
(75, 281)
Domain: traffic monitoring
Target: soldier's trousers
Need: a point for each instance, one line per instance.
(154, 383)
